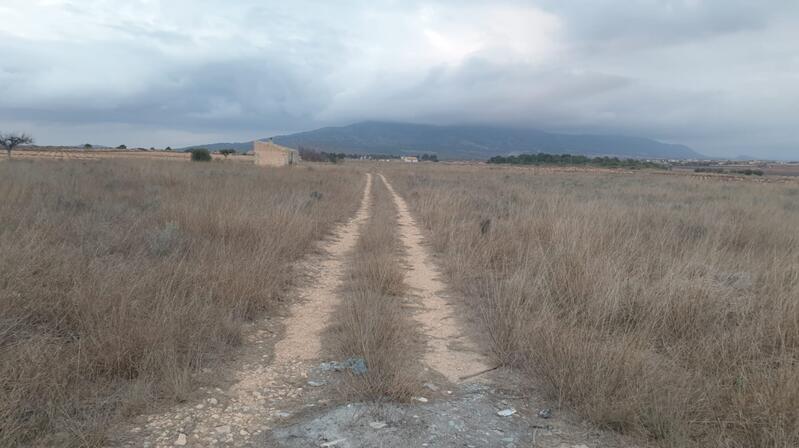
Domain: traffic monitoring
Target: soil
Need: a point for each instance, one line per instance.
(467, 416)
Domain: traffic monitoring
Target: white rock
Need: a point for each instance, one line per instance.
(213, 401)
(333, 443)
(378, 425)
(506, 412)
(181, 440)
(420, 399)
(224, 429)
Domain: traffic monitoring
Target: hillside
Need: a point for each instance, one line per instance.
(470, 142)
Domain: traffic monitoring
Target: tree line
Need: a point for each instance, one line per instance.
(571, 160)
(314, 155)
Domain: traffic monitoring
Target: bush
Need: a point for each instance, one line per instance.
(710, 170)
(200, 155)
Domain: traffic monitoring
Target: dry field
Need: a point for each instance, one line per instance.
(665, 307)
(60, 153)
(120, 278)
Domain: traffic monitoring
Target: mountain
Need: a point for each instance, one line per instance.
(470, 142)
(238, 146)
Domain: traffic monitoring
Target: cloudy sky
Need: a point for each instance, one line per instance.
(719, 75)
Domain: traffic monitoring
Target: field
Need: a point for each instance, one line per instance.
(120, 278)
(59, 153)
(666, 307)
(645, 309)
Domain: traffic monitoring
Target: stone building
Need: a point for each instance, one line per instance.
(269, 154)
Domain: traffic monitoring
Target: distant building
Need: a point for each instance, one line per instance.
(410, 159)
(270, 154)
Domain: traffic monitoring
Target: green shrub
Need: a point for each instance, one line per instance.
(200, 155)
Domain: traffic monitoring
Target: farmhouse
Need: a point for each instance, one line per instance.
(410, 159)
(270, 154)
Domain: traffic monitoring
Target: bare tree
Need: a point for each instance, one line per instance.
(11, 141)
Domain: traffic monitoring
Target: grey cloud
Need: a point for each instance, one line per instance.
(717, 74)
(644, 22)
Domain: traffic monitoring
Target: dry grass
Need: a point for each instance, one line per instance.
(371, 322)
(663, 307)
(119, 278)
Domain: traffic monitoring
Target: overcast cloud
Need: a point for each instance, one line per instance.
(719, 75)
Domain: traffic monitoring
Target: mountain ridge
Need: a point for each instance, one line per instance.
(468, 142)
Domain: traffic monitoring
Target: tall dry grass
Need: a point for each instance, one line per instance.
(371, 322)
(119, 278)
(667, 308)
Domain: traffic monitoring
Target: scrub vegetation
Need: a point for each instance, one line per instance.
(662, 307)
(119, 279)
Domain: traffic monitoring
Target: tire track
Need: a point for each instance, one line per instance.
(262, 391)
(309, 317)
(449, 350)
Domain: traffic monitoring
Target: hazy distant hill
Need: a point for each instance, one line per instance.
(238, 146)
(469, 142)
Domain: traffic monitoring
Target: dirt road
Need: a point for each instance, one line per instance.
(266, 385)
(450, 351)
(278, 394)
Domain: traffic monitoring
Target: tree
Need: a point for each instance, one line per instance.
(227, 152)
(87, 146)
(11, 141)
(168, 148)
(122, 147)
(200, 155)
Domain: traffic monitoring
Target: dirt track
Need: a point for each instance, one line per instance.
(264, 388)
(450, 351)
(276, 394)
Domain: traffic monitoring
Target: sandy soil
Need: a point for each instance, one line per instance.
(309, 317)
